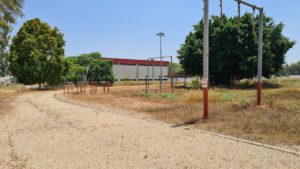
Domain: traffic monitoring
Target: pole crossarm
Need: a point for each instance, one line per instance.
(250, 5)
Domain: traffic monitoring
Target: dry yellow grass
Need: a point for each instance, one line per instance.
(231, 112)
(7, 93)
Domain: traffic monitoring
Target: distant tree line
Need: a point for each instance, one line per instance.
(233, 51)
(292, 69)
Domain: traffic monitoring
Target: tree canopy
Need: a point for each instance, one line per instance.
(37, 54)
(89, 67)
(233, 52)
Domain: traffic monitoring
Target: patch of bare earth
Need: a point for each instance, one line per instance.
(44, 132)
(232, 112)
(7, 95)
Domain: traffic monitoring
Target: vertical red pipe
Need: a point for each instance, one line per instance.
(205, 102)
(259, 88)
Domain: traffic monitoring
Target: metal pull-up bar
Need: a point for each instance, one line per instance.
(248, 4)
(205, 78)
(161, 59)
(260, 46)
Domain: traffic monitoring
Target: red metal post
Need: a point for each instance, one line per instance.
(259, 88)
(205, 102)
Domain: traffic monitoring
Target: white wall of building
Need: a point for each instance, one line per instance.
(138, 72)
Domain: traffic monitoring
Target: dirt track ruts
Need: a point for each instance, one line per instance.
(42, 132)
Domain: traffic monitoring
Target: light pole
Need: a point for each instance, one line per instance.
(160, 34)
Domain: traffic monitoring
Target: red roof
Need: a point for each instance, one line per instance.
(137, 62)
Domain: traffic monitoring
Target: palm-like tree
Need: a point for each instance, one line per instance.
(9, 11)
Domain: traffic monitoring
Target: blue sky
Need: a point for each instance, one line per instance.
(127, 28)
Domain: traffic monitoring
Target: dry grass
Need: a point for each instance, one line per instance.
(232, 112)
(7, 94)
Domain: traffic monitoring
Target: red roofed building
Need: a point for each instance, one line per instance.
(133, 69)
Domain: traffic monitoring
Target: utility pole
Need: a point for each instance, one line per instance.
(260, 47)
(205, 59)
(260, 55)
(160, 34)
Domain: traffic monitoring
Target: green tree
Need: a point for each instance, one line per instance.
(75, 73)
(89, 67)
(85, 61)
(9, 10)
(37, 54)
(101, 71)
(233, 52)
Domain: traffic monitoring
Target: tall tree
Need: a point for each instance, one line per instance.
(37, 54)
(9, 11)
(233, 52)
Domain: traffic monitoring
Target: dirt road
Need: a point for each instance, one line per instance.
(42, 132)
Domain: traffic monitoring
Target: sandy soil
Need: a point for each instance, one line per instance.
(42, 132)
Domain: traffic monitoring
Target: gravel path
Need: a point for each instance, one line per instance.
(43, 132)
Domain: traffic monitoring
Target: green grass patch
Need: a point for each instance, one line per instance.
(224, 97)
(168, 96)
(296, 107)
